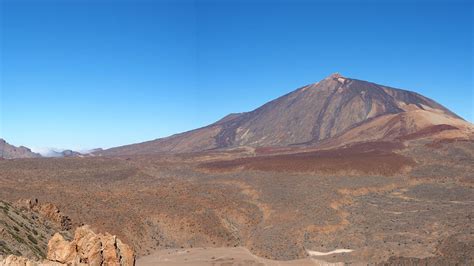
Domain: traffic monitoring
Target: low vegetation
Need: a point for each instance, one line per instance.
(18, 229)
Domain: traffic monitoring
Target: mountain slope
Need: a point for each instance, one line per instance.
(26, 226)
(33, 233)
(315, 114)
(8, 151)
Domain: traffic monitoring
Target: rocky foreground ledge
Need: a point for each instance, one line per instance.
(87, 248)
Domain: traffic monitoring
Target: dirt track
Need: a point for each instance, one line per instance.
(216, 256)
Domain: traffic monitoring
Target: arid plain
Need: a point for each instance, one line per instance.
(400, 204)
(340, 171)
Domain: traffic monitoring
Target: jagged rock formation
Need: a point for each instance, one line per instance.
(47, 211)
(8, 151)
(87, 248)
(335, 111)
(26, 226)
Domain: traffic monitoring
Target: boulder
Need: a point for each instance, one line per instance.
(61, 250)
(89, 248)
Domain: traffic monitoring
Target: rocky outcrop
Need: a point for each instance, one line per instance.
(8, 151)
(24, 232)
(13, 260)
(87, 248)
(47, 211)
(60, 249)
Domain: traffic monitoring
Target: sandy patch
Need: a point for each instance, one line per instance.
(317, 253)
(222, 256)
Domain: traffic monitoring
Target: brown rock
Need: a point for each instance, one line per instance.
(126, 254)
(110, 251)
(90, 248)
(12, 260)
(15, 260)
(61, 250)
(48, 211)
(52, 212)
(8, 151)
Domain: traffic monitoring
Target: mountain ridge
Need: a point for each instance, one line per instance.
(8, 151)
(310, 115)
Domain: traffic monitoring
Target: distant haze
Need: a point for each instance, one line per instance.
(55, 152)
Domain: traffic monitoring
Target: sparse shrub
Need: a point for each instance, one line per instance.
(3, 247)
(16, 237)
(32, 239)
(5, 250)
(39, 253)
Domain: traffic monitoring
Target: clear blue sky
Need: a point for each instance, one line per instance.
(84, 74)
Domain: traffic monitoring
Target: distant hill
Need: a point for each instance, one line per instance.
(332, 112)
(8, 151)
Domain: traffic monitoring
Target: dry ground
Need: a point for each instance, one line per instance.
(383, 201)
(216, 257)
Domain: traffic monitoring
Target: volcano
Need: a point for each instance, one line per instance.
(333, 112)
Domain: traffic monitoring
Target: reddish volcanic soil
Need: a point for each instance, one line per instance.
(373, 158)
(428, 131)
(385, 201)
